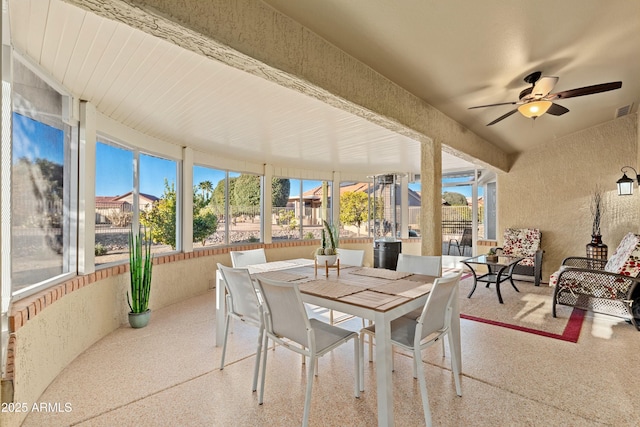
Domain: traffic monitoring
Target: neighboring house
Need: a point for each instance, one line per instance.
(117, 210)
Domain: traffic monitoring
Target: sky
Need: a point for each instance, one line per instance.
(28, 137)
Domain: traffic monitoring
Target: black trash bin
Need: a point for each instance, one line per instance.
(385, 253)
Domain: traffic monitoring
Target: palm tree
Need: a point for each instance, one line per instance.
(207, 189)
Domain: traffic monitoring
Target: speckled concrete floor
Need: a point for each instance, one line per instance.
(167, 374)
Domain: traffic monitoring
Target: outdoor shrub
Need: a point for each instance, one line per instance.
(100, 249)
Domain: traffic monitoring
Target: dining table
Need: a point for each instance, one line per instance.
(376, 294)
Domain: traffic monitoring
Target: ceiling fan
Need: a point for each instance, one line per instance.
(536, 100)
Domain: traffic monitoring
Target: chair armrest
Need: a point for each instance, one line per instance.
(498, 251)
(583, 262)
(598, 283)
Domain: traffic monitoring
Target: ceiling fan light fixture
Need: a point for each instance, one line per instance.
(534, 109)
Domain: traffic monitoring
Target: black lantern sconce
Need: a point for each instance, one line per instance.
(625, 184)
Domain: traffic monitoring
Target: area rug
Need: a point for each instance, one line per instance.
(529, 310)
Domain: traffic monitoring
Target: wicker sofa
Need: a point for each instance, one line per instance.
(606, 287)
(524, 242)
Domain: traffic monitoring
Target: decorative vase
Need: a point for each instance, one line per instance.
(139, 320)
(596, 249)
(328, 259)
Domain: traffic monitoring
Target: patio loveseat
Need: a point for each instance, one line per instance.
(601, 286)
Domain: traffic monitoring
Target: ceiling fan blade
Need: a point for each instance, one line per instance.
(557, 110)
(502, 117)
(544, 86)
(493, 105)
(587, 90)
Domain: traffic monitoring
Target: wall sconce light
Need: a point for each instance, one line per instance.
(625, 184)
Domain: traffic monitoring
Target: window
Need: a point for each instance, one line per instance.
(285, 213)
(355, 209)
(158, 201)
(236, 196)
(208, 206)
(316, 207)
(43, 153)
(244, 207)
(298, 212)
(114, 202)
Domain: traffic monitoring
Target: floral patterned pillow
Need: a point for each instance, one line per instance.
(522, 242)
(626, 258)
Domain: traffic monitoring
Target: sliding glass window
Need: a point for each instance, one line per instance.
(298, 213)
(356, 202)
(43, 162)
(158, 201)
(115, 208)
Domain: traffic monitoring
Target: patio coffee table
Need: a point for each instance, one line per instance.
(496, 267)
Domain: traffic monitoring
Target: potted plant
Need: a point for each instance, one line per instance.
(492, 256)
(327, 253)
(140, 265)
(596, 248)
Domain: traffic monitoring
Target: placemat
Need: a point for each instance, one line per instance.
(281, 276)
(372, 299)
(380, 273)
(328, 288)
(405, 288)
(363, 281)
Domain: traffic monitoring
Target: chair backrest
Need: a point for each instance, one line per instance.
(241, 294)
(626, 258)
(353, 257)
(284, 311)
(523, 242)
(250, 257)
(427, 264)
(467, 237)
(436, 314)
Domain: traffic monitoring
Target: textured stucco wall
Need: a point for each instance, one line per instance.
(59, 333)
(46, 344)
(550, 188)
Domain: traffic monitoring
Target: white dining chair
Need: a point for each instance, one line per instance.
(286, 323)
(429, 265)
(415, 335)
(353, 257)
(244, 258)
(242, 304)
(420, 264)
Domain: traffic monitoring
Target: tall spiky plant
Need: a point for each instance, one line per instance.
(140, 264)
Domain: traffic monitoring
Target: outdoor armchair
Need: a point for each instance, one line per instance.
(524, 242)
(606, 287)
